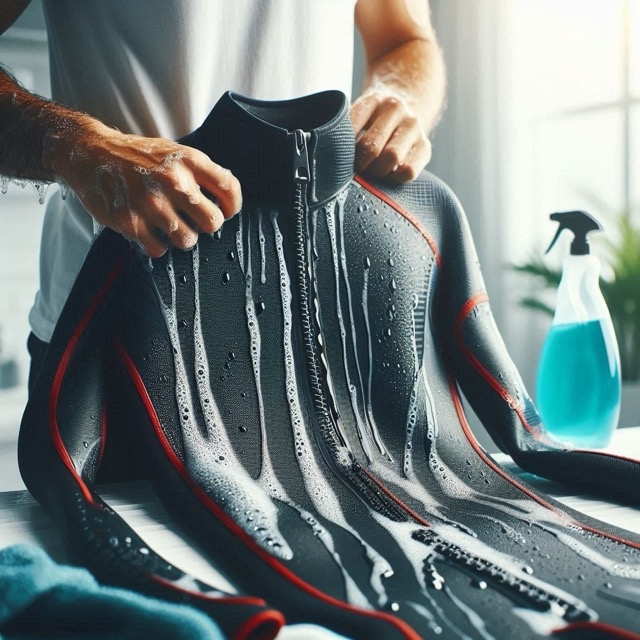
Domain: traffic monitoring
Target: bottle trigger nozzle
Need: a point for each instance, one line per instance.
(580, 223)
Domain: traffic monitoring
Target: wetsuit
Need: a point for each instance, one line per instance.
(294, 380)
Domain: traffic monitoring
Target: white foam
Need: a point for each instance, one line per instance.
(316, 485)
(209, 456)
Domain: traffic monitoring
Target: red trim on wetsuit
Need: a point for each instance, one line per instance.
(466, 309)
(467, 431)
(397, 500)
(264, 625)
(232, 525)
(403, 212)
(59, 376)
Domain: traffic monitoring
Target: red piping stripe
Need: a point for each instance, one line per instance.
(403, 212)
(397, 500)
(249, 542)
(473, 442)
(608, 455)
(59, 377)
(466, 309)
(264, 625)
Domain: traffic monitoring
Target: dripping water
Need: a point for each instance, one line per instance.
(345, 274)
(209, 456)
(317, 487)
(343, 331)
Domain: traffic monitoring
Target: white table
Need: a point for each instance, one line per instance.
(23, 520)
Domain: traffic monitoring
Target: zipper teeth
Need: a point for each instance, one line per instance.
(329, 431)
(307, 323)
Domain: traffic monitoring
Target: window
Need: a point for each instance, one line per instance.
(576, 102)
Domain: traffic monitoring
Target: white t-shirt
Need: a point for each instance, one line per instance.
(157, 67)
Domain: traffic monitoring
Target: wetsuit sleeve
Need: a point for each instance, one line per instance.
(480, 363)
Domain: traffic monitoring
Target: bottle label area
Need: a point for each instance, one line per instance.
(578, 388)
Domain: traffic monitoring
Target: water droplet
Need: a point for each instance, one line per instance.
(4, 184)
(242, 429)
(183, 278)
(392, 284)
(391, 311)
(225, 277)
(260, 307)
(395, 606)
(85, 444)
(113, 541)
(231, 256)
(390, 262)
(41, 189)
(232, 355)
(480, 584)
(366, 262)
(144, 551)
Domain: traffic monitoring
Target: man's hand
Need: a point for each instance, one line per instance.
(391, 141)
(151, 190)
(403, 90)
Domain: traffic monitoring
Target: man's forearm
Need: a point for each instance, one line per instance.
(30, 127)
(413, 72)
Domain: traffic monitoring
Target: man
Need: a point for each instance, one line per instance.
(128, 78)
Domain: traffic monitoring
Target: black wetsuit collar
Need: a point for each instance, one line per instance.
(256, 141)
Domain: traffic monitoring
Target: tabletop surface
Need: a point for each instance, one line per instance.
(22, 520)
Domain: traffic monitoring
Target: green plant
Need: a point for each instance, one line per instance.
(621, 290)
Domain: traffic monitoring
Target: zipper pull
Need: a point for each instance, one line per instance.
(301, 170)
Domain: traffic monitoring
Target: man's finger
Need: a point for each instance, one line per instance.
(416, 160)
(162, 215)
(395, 152)
(205, 214)
(373, 141)
(220, 183)
(362, 110)
(152, 245)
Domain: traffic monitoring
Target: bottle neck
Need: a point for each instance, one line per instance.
(579, 295)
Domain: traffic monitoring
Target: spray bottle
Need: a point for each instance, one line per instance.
(578, 387)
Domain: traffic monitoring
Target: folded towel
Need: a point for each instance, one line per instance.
(42, 599)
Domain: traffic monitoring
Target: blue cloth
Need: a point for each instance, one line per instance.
(42, 599)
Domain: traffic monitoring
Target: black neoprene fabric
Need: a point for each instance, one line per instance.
(293, 386)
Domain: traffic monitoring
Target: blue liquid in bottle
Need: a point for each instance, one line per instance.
(578, 390)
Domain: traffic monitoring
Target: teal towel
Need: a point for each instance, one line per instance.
(42, 599)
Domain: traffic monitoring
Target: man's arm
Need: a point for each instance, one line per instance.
(404, 88)
(148, 189)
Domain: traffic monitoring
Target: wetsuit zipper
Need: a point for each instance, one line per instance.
(325, 409)
(301, 181)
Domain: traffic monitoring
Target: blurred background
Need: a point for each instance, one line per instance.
(543, 115)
